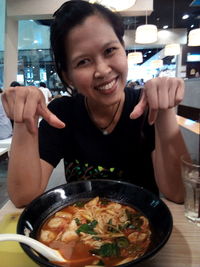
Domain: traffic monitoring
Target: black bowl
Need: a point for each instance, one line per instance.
(51, 201)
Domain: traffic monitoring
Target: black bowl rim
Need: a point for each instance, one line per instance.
(43, 262)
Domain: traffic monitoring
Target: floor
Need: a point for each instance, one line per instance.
(57, 178)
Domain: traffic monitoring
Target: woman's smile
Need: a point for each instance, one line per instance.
(107, 87)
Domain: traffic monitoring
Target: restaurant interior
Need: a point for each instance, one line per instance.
(25, 57)
(25, 52)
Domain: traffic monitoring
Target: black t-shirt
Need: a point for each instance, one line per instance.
(124, 154)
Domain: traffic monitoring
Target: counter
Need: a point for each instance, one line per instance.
(181, 250)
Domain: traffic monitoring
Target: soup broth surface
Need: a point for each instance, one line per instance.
(97, 232)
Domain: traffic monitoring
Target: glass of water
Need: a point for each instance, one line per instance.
(190, 168)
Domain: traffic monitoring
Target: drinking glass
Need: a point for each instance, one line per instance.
(190, 168)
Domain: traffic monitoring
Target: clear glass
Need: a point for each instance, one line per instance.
(190, 168)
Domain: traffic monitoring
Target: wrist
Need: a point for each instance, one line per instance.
(166, 122)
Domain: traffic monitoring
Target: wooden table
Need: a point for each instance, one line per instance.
(181, 250)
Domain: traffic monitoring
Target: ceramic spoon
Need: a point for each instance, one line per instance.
(47, 252)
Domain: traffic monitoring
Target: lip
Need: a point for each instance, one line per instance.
(107, 91)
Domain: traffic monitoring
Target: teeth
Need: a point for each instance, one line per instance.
(107, 86)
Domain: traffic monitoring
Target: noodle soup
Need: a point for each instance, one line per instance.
(97, 233)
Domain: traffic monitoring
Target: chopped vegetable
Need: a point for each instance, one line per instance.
(77, 221)
(136, 221)
(122, 242)
(79, 204)
(107, 250)
(87, 228)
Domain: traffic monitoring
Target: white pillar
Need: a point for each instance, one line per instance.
(11, 51)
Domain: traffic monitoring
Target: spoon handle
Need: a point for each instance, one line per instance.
(47, 252)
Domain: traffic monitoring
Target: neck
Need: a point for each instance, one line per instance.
(105, 118)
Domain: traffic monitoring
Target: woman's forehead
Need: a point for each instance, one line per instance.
(93, 27)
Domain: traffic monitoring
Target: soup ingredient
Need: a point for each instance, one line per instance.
(98, 232)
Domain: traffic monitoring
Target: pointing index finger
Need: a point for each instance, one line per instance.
(140, 107)
(49, 116)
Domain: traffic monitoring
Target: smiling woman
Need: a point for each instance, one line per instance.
(88, 47)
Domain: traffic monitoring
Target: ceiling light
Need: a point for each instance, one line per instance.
(116, 5)
(135, 57)
(172, 50)
(157, 63)
(186, 16)
(146, 34)
(194, 37)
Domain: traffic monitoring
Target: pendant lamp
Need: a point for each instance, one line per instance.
(172, 50)
(116, 5)
(194, 37)
(135, 58)
(157, 63)
(146, 34)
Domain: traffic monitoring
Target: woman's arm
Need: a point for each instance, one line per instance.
(27, 174)
(169, 146)
(161, 95)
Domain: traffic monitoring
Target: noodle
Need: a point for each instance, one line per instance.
(103, 232)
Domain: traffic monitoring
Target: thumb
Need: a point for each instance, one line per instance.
(140, 107)
(49, 116)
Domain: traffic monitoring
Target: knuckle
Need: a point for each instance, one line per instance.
(179, 99)
(164, 106)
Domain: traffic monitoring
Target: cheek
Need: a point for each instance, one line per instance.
(122, 66)
(82, 80)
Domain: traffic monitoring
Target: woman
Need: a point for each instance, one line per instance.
(105, 130)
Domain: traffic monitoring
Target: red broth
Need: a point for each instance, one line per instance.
(97, 233)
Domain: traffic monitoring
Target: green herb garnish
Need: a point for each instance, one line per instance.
(88, 228)
(107, 250)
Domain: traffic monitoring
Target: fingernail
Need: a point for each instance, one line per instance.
(151, 122)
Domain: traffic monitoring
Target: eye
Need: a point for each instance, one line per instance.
(83, 62)
(110, 50)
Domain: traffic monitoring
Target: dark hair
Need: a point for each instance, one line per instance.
(43, 84)
(14, 84)
(1, 91)
(71, 14)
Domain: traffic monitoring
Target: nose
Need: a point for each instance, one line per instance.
(102, 68)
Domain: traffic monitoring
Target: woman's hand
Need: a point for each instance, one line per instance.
(159, 93)
(24, 104)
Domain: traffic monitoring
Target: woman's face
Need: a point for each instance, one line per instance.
(96, 61)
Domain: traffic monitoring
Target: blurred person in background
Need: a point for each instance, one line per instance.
(14, 84)
(46, 92)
